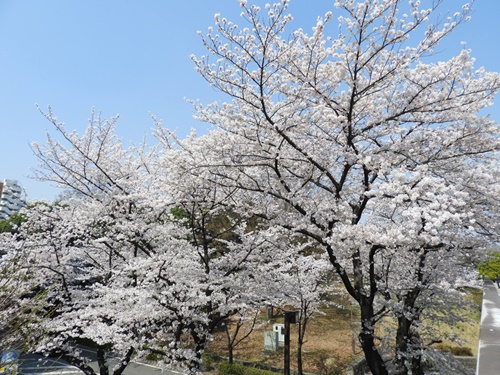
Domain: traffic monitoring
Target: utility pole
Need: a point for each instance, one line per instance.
(290, 318)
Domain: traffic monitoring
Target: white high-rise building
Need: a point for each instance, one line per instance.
(10, 198)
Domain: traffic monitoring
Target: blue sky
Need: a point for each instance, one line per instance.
(131, 57)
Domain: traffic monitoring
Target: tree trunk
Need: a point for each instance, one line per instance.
(124, 362)
(416, 365)
(270, 312)
(74, 361)
(299, 358)
(416, 347)
(408, 341)
(200, 342)
(101, 362)
(401, 350)
(230, 353)
(367, 340)
(366, 336)
(302, 332)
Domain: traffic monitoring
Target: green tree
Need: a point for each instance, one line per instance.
(10, 225)
(491, 266)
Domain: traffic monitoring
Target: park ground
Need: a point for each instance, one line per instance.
(331, 338)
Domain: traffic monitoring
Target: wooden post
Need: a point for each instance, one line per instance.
(290, 317)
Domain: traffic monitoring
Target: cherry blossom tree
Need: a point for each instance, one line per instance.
(364, 143)
(139, 254)
(95, 251)
(21, 303)
(100, 252)
(228, 243)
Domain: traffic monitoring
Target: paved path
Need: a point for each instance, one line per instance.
(34, 364)
(488, 357)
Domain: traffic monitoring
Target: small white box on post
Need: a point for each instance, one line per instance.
(280, 330)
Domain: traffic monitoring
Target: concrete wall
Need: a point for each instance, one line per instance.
(469, 362)
(359, 366)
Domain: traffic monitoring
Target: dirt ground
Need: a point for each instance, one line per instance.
(331, 342)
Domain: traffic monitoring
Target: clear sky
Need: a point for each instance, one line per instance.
(131, 57)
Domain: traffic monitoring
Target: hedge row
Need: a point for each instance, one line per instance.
(226, 368)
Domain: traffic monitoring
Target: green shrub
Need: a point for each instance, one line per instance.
(443, 348)
(154, 354)
(226, 368)
(207, 362)
(154, 357)
(460, 351)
